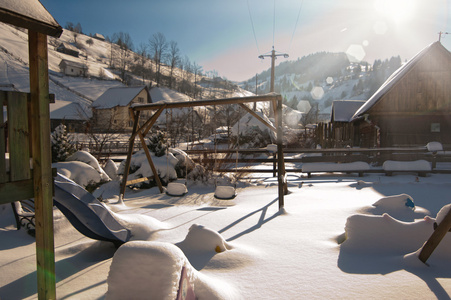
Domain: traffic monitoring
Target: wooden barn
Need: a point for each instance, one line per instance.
(411, 108)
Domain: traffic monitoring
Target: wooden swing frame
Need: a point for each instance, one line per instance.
(141, 132)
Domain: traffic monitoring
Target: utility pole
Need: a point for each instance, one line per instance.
(273, 56)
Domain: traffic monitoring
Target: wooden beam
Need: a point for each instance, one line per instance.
(16, 190)
(271, 127)
(283, 190)
(436, 237)
(225, 101)
(3, 177)
(42, 164)
(131, 144)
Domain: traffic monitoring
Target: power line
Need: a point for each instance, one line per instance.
(296, 25)
(274, 24)
(252, 23)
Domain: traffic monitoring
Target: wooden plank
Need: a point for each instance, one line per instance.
(42, 164)
(16, 191)
(138, 180)
(436, 237)
(131, 144)
(3, 177)
(19, 136)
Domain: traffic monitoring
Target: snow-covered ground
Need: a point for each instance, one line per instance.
(246, 248)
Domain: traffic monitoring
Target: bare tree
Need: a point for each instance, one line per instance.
(158, 46)
(173, 59)
(141, 58)
(124, 41)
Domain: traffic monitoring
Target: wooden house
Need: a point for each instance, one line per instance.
(73, 68)
(413, 106)
(68, 113)
(343, 132)
(29, 135)
(68, 49)
(111, 110)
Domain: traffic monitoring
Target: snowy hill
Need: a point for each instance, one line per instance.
(323, 77)
(101, 59)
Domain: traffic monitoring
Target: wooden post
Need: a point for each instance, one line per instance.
(42, 168)
(280, 158)
(131, 144)
(436, 237)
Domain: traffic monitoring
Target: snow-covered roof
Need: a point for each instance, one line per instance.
(68, 46)
(30, 14)
(66, 110)
(117, 96)
(158, 94)
(343, 110)
(73, 63)
(99, 36)
(393, 79)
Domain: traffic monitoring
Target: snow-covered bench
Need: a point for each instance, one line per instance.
(422, 167)
(353, 167)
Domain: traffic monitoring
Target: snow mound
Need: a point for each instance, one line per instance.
(417, 165)
(202, 239)
(225, 192)
(111, 169)
(401, 207)
(434, 146)
(82, 173)
(442, 213)
(142, 227)
(109, 190)
(385, 234)
(146, 270)
(87, 158)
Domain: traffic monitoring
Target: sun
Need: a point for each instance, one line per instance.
(398, 11)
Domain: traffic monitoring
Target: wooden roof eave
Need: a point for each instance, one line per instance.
(13, 18)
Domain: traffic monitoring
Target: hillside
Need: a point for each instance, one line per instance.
(107, 66)
(323, 77)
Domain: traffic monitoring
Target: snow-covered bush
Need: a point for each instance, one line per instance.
(62, 147)
(253, 137)
(157, 143)
(87, 158)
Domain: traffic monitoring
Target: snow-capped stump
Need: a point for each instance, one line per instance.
(200, 238)
(225, 192)
(142, 269)
(434, 147)
(176, 189)
(419, 166)
(441, 215)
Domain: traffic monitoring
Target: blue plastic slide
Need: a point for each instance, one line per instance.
(87, 214)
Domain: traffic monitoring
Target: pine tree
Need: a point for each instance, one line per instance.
(62, 147)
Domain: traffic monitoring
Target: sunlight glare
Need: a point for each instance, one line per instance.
(398, 11)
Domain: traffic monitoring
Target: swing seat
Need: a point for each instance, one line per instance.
(176, 189)
(225, 192)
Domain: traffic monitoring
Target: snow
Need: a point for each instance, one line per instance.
(337, 237)
(434, 146)
(117, 96)
(418, 165)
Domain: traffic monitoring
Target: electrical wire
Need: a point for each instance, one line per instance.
(252, 23)
(296, 25)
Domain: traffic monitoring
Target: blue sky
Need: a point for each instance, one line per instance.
(219, 35)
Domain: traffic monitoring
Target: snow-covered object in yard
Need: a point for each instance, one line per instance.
(442, 213)
(335, 167)
(417, 165)
(271, 148)
(140, 168)
(146, 270)
(80, 172)
(202, 239)
(382, 234)
(396, 202)
(248, 122)
(434, 146)
(87, 158)
(176, 189)
(111, 169)
(225, 192)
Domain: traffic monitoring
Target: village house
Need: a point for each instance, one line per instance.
(99, 36)
(73, 68)
(412, 107)
(111, 110)
(68, 49)
(69, 114)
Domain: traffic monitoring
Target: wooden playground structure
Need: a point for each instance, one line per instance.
(158, 108)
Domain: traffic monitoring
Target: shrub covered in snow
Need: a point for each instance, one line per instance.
(157, 143)
(62, 147)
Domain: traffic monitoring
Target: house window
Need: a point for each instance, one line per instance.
(435, 127)
(72, 70)
(140, 99)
